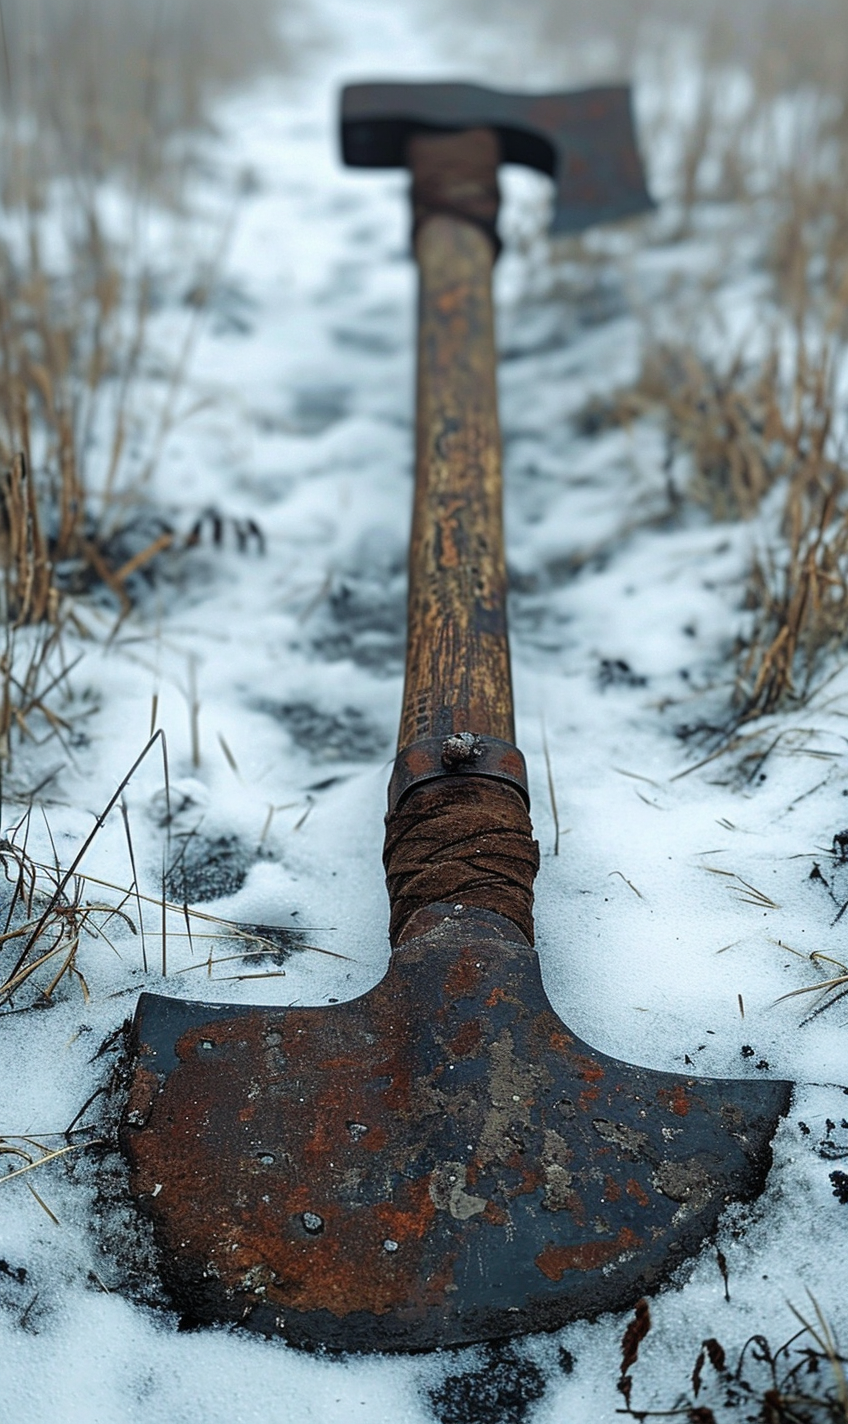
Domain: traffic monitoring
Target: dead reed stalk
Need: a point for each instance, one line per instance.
(729, 422)
(798, 588)
(105, 87)
(97, 106)
(67, 339)
(746, 431)
(801, 1381)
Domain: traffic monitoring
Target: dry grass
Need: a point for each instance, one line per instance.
(778, 38)
(747, 107)
(799, 592)
(52, 916)
(829, 991)
(764, 124)
(760, 122)
(51, 912)
(745, 431)
(98, 101)
(802, 1381)
(729, 422)
(44, 924)
(70, 342)
(33, 671)
(95, 86)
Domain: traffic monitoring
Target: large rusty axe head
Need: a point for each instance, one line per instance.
(584, 140)
(439, 1161)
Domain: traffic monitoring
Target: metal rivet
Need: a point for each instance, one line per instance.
(460, 749)
(206, 1044)
(390, 1246)
(357, 1130)
(267, 1159)
(312, 1222)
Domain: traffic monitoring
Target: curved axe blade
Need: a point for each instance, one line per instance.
(437, 1162)
(585, 140)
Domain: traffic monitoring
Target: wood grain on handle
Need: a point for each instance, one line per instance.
(457, 666)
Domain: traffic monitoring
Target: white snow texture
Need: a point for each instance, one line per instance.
(303, 379)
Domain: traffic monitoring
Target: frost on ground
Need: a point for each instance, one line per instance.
(680, 896)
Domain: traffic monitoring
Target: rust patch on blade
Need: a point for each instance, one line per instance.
(361, 1260)
(637, 1192)
(143, 1090)
(677, 1099)
(554, 1261)
(463, 978)
(467, 1040)
(298, 1233)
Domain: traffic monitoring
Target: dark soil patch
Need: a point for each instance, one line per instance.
(364, 619)
(206, 868)
(502, 1391)
(342, 736)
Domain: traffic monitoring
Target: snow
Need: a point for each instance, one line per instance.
(302, 382)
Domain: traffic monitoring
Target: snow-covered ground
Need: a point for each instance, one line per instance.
(292, 660)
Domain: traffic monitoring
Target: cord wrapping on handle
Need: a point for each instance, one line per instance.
(468, 841)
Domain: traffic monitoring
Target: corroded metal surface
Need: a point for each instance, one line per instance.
(438, 1161)
(584, 140)
(429, 760)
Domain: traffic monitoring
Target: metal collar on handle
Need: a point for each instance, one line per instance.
(460, 754)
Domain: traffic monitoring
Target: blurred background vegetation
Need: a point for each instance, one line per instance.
(94, 85)
(104, 107)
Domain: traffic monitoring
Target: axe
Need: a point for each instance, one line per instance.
(441, 1160)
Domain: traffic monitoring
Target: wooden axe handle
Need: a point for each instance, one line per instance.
(463, 836)
(457, 665)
